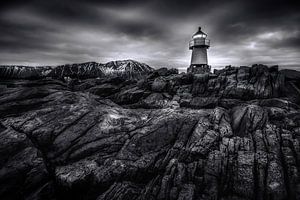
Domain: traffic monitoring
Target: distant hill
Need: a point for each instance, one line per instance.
(129, 68)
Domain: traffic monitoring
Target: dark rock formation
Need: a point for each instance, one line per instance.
(227, 88)
(229, 135)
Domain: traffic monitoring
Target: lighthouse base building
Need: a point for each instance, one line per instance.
(199, 45)
(199, 69)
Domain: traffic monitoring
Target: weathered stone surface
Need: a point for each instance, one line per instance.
(104, 90)
(228, 88)
(159, 85)
(130, 95)
(238, 138)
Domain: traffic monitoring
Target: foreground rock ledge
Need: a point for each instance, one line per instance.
(69, 142)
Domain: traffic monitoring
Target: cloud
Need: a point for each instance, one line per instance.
(156, 32)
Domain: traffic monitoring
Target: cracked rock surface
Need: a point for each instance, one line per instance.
(229, 135)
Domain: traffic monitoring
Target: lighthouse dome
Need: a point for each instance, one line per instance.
(199, 34)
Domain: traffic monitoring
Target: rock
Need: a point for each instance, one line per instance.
(158, 100)
(23, 172)
(83, 86)
(279, 103)
(154, 97)
(203, 102)
(231, 135)
(187, 192)
(159, 85)
(200, 84)
(104, 90)
(230, 103)
(186, 79)
(129, 96)
(166, 71)
(122, 190)
(246, 119)
(228, 88)
(291, 74)
(173, 71)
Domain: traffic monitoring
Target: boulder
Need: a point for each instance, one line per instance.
(203, 102)
(104, 90)
(159, 85)
(129, 96)
(291, 74)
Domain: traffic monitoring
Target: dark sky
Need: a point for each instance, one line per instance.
(156, 32)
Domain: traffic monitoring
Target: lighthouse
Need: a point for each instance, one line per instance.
(199, 45)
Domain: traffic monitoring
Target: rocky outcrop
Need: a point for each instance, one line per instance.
(226, 88)
(80, 141)
(126, 68)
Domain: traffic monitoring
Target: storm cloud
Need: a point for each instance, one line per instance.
(155, 32)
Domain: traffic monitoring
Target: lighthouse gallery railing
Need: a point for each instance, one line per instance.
(199, 42)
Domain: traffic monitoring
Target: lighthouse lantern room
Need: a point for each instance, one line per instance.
(199, 45)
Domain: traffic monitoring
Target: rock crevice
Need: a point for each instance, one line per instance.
(229, 135)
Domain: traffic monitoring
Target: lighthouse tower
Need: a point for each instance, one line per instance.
(199, 45)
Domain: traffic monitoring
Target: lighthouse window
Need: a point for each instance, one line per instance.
(200, 36)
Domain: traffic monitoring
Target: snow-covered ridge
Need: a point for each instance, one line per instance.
(77, 70)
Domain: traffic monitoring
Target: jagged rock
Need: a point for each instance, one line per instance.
(246, 119)
(129, 96)
(291, 74)
(154, 97)
(239, 138)
(159, 85)
(165, 71)
(104, 89)
(23, 171)
(158, 100)
(201, 102)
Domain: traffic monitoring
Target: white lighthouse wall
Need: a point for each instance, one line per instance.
(199, 56)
